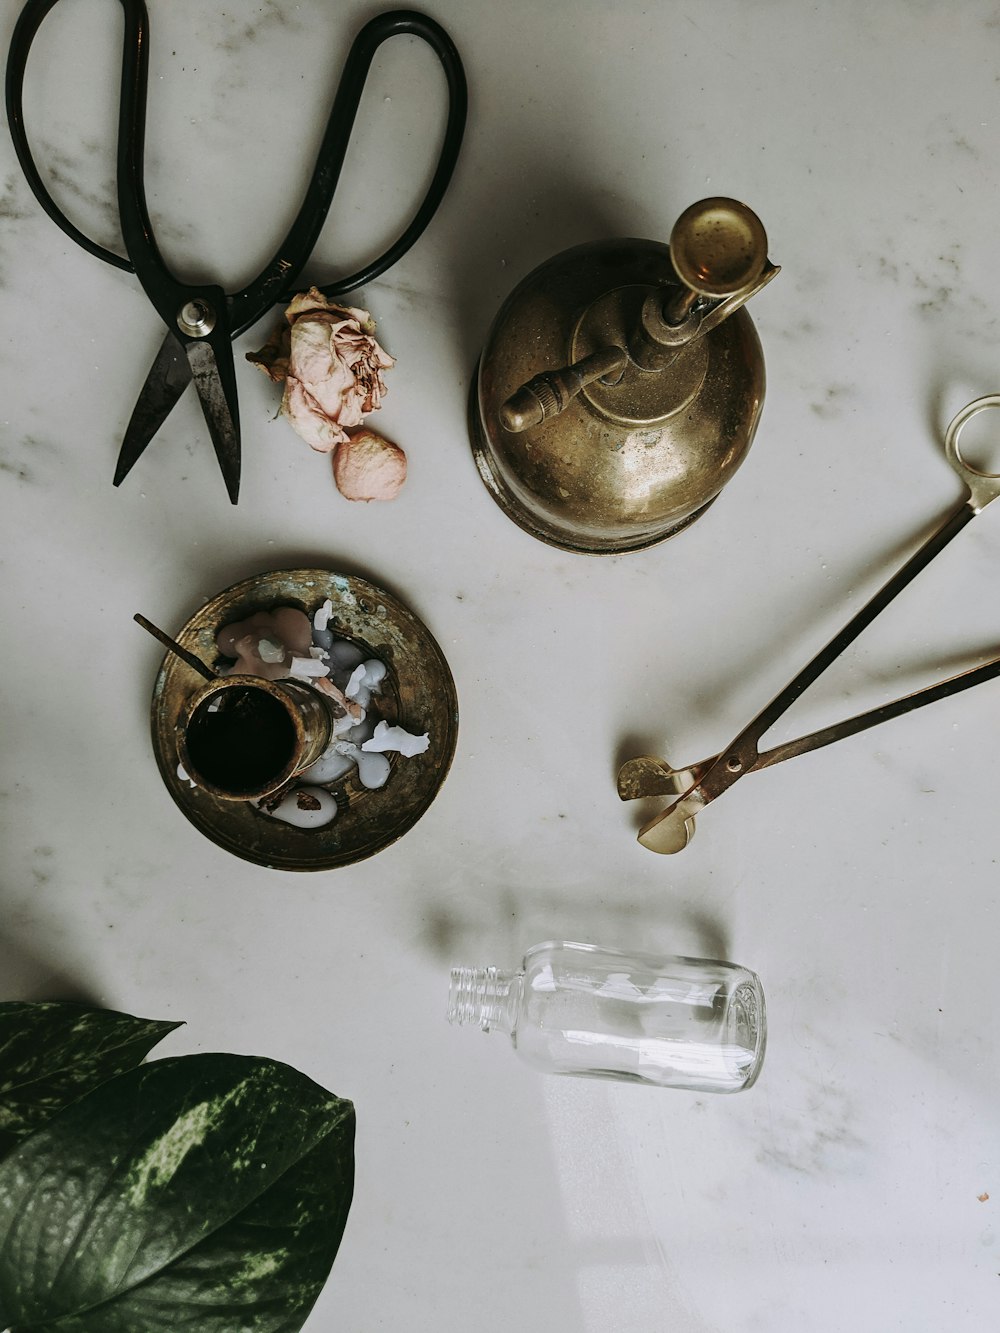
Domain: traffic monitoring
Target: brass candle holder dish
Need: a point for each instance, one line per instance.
(418, 692)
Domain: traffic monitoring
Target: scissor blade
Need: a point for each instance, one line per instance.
(669, 832)
(673, 828)
(168, 377)
(648, 776)
(215, 380)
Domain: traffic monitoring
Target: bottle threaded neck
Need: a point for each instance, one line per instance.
(479, 995)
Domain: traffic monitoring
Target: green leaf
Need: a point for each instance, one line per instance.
(201, 1194)
(53, 1054)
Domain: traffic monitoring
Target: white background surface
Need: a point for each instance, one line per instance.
(860, 882)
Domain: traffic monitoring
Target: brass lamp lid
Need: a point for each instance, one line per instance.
(659, 391)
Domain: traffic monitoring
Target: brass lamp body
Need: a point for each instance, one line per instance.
(649, 420)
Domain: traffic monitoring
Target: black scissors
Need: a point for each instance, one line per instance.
(203, 320)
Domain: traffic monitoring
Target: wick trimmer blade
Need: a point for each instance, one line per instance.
(668, 833)
(649, 776)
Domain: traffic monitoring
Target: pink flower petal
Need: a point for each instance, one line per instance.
(369, 467)
(332, 368)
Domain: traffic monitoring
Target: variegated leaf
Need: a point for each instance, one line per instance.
(205, 1193)
(52, 1054)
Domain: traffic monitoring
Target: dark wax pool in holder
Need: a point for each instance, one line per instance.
(242, 737)
(241, 741)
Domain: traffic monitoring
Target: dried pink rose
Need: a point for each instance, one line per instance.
(367, 466)
(327, 357)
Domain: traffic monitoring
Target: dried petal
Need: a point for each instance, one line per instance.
(331, 366)
(369, 467)
(272, 358)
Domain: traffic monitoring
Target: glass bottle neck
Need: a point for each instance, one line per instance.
(481, 995)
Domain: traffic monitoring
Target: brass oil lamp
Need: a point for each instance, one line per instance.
(621, 383)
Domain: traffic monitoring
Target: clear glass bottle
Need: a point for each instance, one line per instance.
(579, 1009)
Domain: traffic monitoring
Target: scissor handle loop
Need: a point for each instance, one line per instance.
(247, 306)
(984, 487)
(25, 29)
(276, 282)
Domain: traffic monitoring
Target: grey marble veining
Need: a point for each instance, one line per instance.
(846, 1189)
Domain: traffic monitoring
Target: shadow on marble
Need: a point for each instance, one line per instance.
(224, 573)
(949, 389)
(27, 976)
(552, 211)
(832, 604)
(494, 927)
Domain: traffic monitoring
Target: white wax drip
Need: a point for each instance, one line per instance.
(284, 642)
(306, 807)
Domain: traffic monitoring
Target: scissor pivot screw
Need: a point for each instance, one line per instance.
(734, 763)
(196, 319)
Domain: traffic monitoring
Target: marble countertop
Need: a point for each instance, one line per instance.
(856, 1185)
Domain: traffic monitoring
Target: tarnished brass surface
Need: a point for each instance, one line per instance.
(624, 465)
(718, 247)
(308, 717)
(419, 694)
(651, 776)
(638, 397)
(638, 779)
